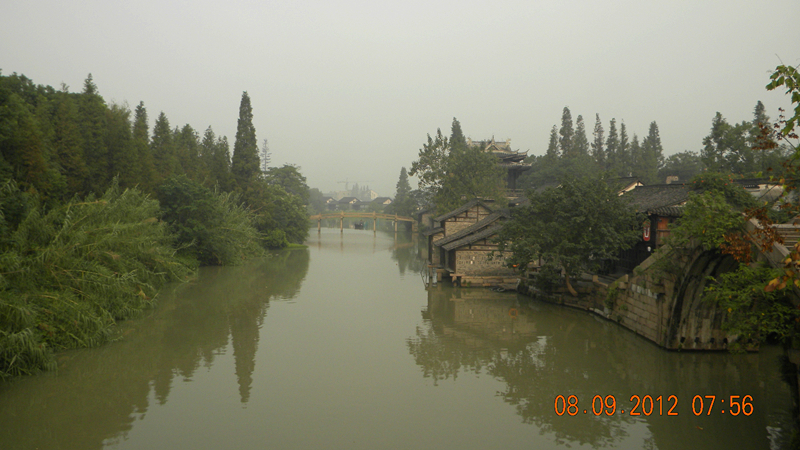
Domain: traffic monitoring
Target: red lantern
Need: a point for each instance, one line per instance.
(646, 231)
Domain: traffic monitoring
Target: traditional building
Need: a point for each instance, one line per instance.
(460, 244)
(662, 204)
(510, 160)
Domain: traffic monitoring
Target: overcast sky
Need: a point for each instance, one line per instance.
(348, 90)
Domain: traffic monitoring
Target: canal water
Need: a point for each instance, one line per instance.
(340, 346)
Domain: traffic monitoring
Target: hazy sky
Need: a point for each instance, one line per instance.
(348, 90)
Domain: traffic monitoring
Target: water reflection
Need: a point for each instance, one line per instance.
(540, 351)
(406, 252)
(110, 387)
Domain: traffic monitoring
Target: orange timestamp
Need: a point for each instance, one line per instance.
(648, 405)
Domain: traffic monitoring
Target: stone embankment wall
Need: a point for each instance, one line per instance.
(660, 302)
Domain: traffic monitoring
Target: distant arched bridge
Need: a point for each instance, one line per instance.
(360, 215)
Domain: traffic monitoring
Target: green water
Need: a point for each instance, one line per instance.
(340, 346)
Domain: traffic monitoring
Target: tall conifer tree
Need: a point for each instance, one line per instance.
(68, 143)
(625, 162)
(92, 110)
(163, 149)
(141, 145)
(598, 152)
(567, 134)
(581, 143)
(612, 145)
(456, 135)
(245, 163)
(551, 156)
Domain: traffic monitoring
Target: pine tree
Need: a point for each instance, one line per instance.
(403, 203)
(122, 160)
(163, 150)
(456, 135)
(598, 152)
(580, 143)
(141, 147)
(221, 168)
(652, 155)
(188, 152)
(759, 114)
(68, 143)
(265, 156)
(92, 109)
(551, 156)
(245, 163)
(636, 163)
(625, 161)
(612, 146)
(22, 146)
(567, 134)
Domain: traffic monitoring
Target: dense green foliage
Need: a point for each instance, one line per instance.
(734, 149)
(212, 227)
(404, 203)
(451, 172)
(573, 227)
(753, 313)
(84, 243)
(67, 273)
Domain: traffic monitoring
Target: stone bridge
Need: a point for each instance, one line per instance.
(665, 306)
(361, 215)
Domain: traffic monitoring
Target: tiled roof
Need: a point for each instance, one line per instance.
(647, 198)
(477, 226)
(462, 209)
(433, 231)
(619, 183)
(469, 239)
(666, 211)
(753, 183)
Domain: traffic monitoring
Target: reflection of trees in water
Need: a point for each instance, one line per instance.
(546, 351)
(99, 393)
(406, 251)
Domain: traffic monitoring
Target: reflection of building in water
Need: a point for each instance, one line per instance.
(460, 245)
(548, 350)
(480, 314)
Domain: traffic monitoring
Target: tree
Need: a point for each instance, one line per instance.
(612, 148)
(636, 163)
(684, 165)
(624, 159)
(92, 109)
(141, 148)
(551, 155)
(567, 134)
(68, 143)
(162, 147)
(571, 228)
(245, 163)
(187, 150)
(429, 168)
(265, 156)
(451, 175)
(598, 152)
(456, 135)
(580, 143)
(652, 156)
(122, 160)
(403, 203)
(290, 179)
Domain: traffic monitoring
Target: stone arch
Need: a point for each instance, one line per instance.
(694, 324)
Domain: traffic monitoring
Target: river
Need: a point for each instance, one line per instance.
(340, 346)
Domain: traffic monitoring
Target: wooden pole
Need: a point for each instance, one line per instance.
(374, 223)
(319, 225)
(395, 223)
(341, 223)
